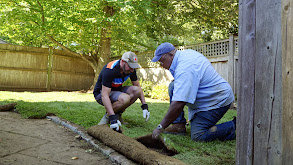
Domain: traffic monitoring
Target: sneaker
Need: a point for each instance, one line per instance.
(104, 120)
(176, 129)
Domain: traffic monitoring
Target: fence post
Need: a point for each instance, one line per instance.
(231, 62)
(50, 61)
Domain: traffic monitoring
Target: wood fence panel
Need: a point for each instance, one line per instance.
(222, 68)
(246, 97)
(20, 69)
(28, 68)
(287, 62)
(70, 72)
(21, 80)
(268, 83)
(66, 81)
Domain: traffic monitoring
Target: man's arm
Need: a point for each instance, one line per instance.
(174, 111)
(176, 107)
(144, 106)
(106, 100)
(141, 97)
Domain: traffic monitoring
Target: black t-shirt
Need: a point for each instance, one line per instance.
(111, 77)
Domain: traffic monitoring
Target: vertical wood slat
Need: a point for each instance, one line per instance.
(268, 83)
(287, 61)
(245, 114)
(231, 62)
(50, 62)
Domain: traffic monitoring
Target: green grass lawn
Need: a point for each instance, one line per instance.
(82, 109)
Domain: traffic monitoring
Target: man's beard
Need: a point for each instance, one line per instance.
(124, 71)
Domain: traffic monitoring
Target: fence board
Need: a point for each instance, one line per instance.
(268, 109)
(287, 62)
(245, 93)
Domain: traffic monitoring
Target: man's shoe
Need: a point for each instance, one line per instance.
(176, 129)
(104, 120)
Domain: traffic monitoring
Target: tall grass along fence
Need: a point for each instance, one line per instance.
(42, 69)
(222, 54)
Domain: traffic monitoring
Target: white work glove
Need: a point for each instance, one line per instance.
(145, 112)
(115, 123)
(115, 126)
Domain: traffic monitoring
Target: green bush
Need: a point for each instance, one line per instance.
(160, 92)
(151, 90)
(146, 87)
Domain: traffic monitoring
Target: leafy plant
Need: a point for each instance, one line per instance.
(146, 87)
(160, 92)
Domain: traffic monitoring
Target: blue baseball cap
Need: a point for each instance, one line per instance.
(162, 49)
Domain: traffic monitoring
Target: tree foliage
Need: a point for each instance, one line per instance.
(94, 29)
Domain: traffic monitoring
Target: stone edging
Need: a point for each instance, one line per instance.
(114, 156)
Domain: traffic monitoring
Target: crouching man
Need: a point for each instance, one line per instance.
(109, 92)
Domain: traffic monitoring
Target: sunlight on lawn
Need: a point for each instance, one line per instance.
(48, 96)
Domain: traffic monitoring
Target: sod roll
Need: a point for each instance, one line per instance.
(130, 148)
(7, 107)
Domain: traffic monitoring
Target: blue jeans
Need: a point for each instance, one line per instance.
(181, 118)
(203, 125)
(204, 128)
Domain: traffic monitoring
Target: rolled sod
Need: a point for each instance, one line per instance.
(130, 148)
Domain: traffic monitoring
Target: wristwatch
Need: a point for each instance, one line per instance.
(159, 127)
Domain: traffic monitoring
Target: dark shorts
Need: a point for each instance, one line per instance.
(113, 95)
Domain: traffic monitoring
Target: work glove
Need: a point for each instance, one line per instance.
(115, 123)
(145, 112)
(156, 132)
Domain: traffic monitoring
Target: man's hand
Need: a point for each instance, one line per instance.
(114, 123)
(157, 132)
(145, 112)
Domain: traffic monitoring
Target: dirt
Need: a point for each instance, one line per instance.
(40, 141)
(157, 145)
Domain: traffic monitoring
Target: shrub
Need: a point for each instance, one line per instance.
(149, 90)
(160, 92)
(146, 87)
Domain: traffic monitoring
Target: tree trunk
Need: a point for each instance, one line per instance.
(104, 46)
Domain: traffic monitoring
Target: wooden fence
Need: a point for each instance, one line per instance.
(222, 54)
(42, 69)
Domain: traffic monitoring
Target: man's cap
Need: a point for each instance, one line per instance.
(131, 59)
(162, 49)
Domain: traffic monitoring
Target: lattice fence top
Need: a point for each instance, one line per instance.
(212, 49)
